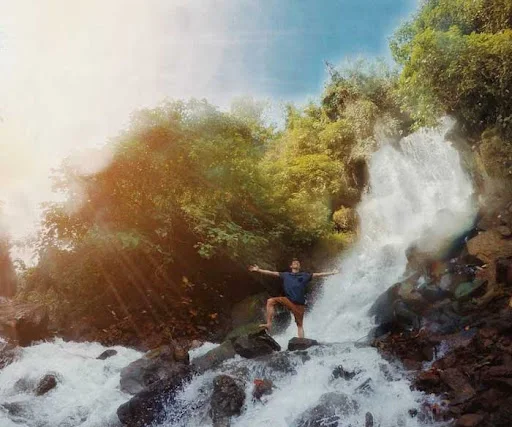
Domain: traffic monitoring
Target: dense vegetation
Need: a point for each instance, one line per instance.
(194, 194)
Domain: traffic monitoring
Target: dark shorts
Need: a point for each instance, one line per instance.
(296, 309)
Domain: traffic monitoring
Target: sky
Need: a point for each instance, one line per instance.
(71, 72)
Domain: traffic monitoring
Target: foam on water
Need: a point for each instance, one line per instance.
(87, 394)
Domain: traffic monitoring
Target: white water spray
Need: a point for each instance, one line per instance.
(418, 194)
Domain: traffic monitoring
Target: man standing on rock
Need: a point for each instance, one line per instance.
(294, 284)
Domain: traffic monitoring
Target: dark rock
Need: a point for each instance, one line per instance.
(503, 416)
(470, 420)
(254, 345)
(31, 324)
(154, 366)
(468, 290)
(428, 379)
(368, 420)
(148, 405)
(214, 357)
(301, 344)
(382, 308)
(106, 354)
(262, 388)
(366, 387)
(47, 383)
(459, 384)
(9, 353)
(227, 400)
(328, 412)
(504, 271)
(340, 372)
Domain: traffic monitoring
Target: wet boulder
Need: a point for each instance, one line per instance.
(227, 400)
(154, 366)
(9, 353)
(470, 420)
(214, 357)
(468, 290)
(301, 344)
(262, 387)
(254, 345)
(340, 372)
(489, 246)
(24, 323)
(148, 406)
(46, 384)
(504, 271)
(107, 354)
(328, 412)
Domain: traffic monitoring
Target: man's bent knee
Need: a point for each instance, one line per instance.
(271, 302)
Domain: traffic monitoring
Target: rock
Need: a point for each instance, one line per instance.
(427, 379)
(504, 231)
(106, 354)
(254, 345)
(214, 357)
(301, 344)
(504, 271)
(368, 420)
(154, 366)
(227, 400)
(366, 387)
(459, 384)
(148, 405)
(382, 308)
(250, 310)
(489, 246)
(328, 412)
(31, 324)
(262, 388)
(250, 328)
(277, 363)
(9, 353)
(469, 420)
(468, 290)
(339, 372)
(47, 383)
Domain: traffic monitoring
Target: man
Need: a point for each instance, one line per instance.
(294, 285)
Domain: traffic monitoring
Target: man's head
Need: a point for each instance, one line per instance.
(295, 265)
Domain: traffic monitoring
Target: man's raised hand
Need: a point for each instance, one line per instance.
(254, 268)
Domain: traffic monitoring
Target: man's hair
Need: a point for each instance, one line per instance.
(296, 259)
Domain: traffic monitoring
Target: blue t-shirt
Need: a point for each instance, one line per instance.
(295, 285)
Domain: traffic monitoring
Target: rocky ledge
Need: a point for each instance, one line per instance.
(453, 331)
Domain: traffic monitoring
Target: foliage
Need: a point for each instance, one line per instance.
(456, 58)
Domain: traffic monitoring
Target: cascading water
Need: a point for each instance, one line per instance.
(419, 194)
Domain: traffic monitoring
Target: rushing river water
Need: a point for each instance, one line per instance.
(419, 194)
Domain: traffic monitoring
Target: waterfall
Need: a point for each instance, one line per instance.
(418, 194)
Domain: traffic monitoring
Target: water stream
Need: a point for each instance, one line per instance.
(418, 194)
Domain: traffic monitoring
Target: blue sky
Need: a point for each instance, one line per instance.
(282, 50)
(71, 73)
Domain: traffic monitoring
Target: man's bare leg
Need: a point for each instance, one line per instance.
(301, 331)
(270, 314)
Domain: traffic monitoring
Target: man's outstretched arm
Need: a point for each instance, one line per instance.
(256, 269)
(328, 273)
